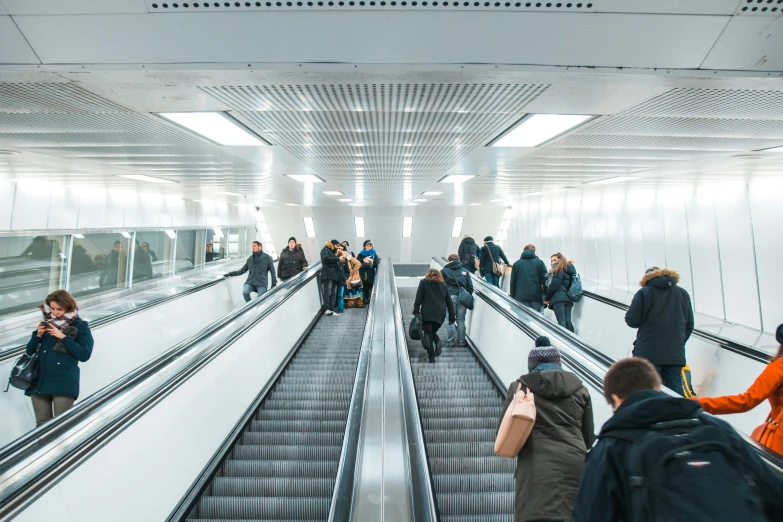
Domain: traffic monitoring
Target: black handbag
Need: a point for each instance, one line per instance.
(415, 328)
(24, 372)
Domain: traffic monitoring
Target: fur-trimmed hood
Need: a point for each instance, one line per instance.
(329, 245)
(670, 277)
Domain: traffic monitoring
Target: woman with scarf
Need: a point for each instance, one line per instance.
(62, 340)
(369, 260)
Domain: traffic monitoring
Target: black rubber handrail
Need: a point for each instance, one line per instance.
(727, 344)
(53, 466)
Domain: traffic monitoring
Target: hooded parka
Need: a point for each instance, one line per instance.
(528, 277)
(468, 252)
(329, 270)
(455, 275)
(549, 466)
(291, 263)
(663, 314)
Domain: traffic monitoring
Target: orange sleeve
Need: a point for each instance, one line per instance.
(770, 380)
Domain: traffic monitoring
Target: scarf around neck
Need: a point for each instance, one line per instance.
(60, 323)
(369, 253)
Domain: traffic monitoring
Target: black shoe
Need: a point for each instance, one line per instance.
(432, 360)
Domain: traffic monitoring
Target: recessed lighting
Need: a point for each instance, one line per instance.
(474, 204)
(358, 109)
(148, 179)
(457, 179)
(409, 109)
(345, 200)
(420, 200)
(407, 162)
(496, 200)
(407, 155)
(307, 145)
(535, 129)
(408, 145)
(333, 193)
(535, 193)
(359, 155)
(305, 178)
(359, 145)
(432, 193)
(216, 126)
(291, 205)
(607, 181)
(230, 194)
(360, 163)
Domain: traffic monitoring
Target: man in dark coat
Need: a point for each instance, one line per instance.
(663, 314)
(550, 464)
(329, 275)
(633, 388)
(528, 277)
(468, 253)
(490, 253)
(258, 264)
(292, 261)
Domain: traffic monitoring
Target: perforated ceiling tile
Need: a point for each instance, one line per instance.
(52, 98)
(713, 103)
(668, 143)
(690, 127)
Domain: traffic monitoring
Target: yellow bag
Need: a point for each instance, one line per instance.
(687, 387)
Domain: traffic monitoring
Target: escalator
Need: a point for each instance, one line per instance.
(459, 407)
(285, 462)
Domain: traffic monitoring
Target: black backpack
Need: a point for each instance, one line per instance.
(688, 470)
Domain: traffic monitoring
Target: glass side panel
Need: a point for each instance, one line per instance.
(30, 268)
(99, 263)
(153, 256)
(216, 246)
(186, 251)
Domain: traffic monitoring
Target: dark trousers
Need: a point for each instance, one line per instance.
(47, 407)
(492, 279)
(672, 378)
(535, 305)
(330, 294)
(563, 313)
(430, 338)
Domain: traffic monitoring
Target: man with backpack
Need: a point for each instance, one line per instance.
(662, 458)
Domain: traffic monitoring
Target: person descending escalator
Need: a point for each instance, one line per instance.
(258, 265)
(292, 261)
(369, 259)
(432, 303)
(456, 276)
(343, 273)
(559, 280)
(662, 312)
(468, 253)
(661, 458)
(768, 386)
(528, 279)
(549, 465)
(329, 276)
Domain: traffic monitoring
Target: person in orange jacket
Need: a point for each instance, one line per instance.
(768, 385)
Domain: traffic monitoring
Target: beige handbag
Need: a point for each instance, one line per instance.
(517, 424)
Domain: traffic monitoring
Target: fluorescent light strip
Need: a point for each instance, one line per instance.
(305, 178)
(432, 193)
(533, 130)
(345, 200)
(457, 179)
(148, 179)
(607, 181)
(231, 194)
(456, 230)
(333, 193)
(216, 126)
(359, 224)
(420, 200)
(407, 226)
(309, 226)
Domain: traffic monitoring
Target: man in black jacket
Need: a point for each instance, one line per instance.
(329, 275)
(610, 481)
(662, 312)
(491, 253)
(528, 277)
(258, 264)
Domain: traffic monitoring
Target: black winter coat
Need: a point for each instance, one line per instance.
(433, 301)
(454, 275)
(329, 270)
(605, 488)
(557, 291)
(343, 272)
(468, 251)
(291, 263)
(368, 270)
(58, 373)
(258, 266)
(485, 265)
(528, 277)
(662, 312)
(550, 464)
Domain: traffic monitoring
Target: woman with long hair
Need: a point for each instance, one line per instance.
(559, 279)
(432, 302)
(768, 386)
(62, 340)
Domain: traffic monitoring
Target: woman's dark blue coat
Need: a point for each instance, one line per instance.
(58, 373)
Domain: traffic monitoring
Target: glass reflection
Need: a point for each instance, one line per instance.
(186, 250)
(152, 256)
(30, 268)
(99, 263)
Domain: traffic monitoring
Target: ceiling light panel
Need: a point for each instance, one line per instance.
(148, 179)
(305, 178)
(535, 129)
(333, 193)
(216, 126)
(457, 179)
(608, 181)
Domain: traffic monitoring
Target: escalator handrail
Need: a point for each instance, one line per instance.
(347, 471)
(16, 351)
(425, 508)
(727, 344)
(770, 457)
(48, 467)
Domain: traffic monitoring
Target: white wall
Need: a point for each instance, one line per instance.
(722, 238)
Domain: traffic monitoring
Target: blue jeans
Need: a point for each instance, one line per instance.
(460, 311)
(492, 279)
(246, 289)
(672, 378)
(340, 299)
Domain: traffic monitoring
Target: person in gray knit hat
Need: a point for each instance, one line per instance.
(549, 467)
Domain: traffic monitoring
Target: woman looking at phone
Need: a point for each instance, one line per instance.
(62, 340)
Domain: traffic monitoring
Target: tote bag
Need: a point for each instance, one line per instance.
(518, 422)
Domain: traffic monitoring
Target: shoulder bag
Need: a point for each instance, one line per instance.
(517, 423)
(497, 269)
(24, 372)
(464, 297)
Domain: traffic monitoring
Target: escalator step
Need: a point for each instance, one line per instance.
(479, 483)
(272, 487)
(284, 438)
(468, 423)
(307, 404)
(483, 503)
(280, 452)
(279, 468)
(459, 450)
(471, 465)
(244, 508)
(300, 415)
(435, 436)
(311, 426)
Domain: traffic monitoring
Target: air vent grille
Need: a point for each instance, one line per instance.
(354, 5)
